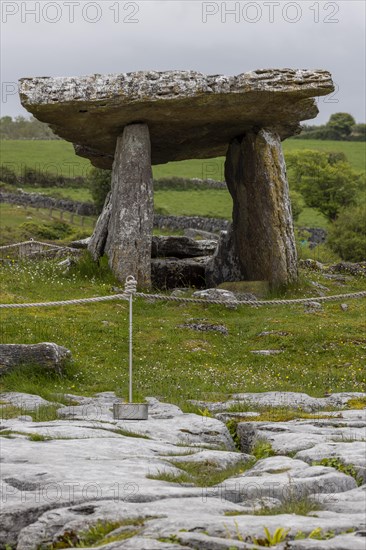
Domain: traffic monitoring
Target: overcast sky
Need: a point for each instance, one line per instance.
(81, 37)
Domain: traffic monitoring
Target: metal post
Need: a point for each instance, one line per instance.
(130, 410)
(130, 350)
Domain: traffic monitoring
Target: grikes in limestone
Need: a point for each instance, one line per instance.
(158, 117)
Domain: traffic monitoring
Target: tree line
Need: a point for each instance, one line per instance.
(24, 128)
(340, 127)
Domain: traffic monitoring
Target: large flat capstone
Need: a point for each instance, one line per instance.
(189, 114)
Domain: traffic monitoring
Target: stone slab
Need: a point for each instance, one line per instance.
(189, 114)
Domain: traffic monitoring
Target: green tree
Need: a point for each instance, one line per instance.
(340, 125)
(358, 132)
(326, 182)
(24, 128)
(100, 184)
(347, 235)
(296, 205)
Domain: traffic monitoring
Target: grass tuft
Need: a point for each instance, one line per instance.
(338, 464)
(356, 403)
(99, 534)
(201, 474)
(262, 449)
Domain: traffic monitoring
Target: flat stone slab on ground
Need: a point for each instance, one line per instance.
(24, 401)
(339, 430)
(181, 247)
(266, 351)
(169, 273)
(294, 400)
(47, 355)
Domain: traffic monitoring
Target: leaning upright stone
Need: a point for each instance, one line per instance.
(97, 242)
(131, 219)
(263, 231)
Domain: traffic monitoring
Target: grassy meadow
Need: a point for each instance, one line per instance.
(320, 352)
(53, 156)
(58, 157)
(18, 223)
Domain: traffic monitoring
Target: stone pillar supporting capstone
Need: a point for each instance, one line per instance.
(124, 229)
(263, 235)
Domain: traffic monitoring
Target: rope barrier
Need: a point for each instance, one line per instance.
(31, 241)
(67, 302)
(51, 247)
(361, 294)
(130, 289)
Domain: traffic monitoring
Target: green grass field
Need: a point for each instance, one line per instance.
(12, 215)
(213, 203)
(214, 168)
(354, 151)
(58, 157)
(322, 352)
(54, 156)
(217, 203)
(13, 218)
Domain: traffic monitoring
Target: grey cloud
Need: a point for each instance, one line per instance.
(171, 35)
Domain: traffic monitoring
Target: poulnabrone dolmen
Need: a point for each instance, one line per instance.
(128, 122)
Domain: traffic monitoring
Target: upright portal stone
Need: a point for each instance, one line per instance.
(132, 207)
(263, 232)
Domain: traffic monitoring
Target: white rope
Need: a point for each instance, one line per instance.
(31, 241)
(79, 301)
(361, 294)
(40, 243)
(131, 285)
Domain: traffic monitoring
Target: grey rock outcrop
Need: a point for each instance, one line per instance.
(87, 469)
(286, 400)
(200, 234)
(80, 243)
(289, 479)
(181, 247)
(215, 294)
(49, 356)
